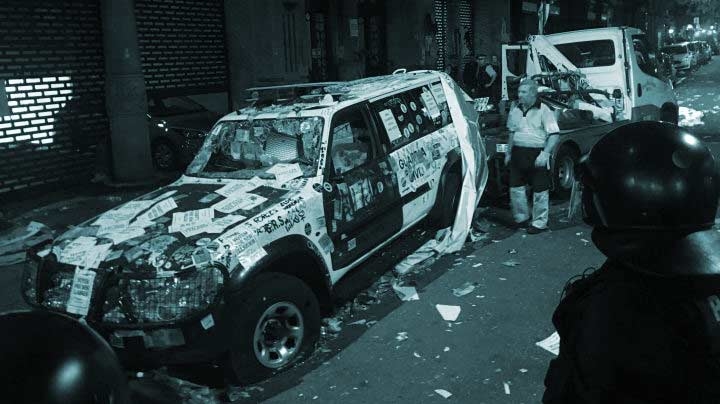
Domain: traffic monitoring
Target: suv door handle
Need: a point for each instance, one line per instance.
(639, 90)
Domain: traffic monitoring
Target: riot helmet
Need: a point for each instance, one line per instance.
(50, 358)
(649, 176)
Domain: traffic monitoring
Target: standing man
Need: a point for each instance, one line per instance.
(645, 327)
(533, 136)
(486, 76)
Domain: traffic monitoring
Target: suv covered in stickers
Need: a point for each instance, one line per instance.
(237, 260)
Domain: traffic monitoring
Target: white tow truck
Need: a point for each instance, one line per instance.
(594, 80)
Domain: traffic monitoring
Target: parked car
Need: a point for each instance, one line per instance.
(236, 261)
(707, 51)
(178, 126)
(666, 67)
(697, 50)
(682, 57)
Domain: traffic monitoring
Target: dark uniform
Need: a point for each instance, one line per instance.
(645, 327)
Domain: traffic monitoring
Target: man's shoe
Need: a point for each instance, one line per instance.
(521, 225)
(535, 230)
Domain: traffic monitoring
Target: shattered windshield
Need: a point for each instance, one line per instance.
(259, 147)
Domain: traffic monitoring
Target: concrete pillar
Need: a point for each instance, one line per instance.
(125, 97)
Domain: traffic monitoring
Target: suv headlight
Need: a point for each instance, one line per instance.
(159, 300)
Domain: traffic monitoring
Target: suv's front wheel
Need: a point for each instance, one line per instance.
(275, 323)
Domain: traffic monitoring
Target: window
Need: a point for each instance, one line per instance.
(589, 53)
(413, 114)
(676, 49)
(351, 141)
(645, 59)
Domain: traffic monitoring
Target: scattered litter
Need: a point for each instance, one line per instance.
(401, 336)
(477, 265)
(503, 279)
(513, 251)
(496, 241)
(333, 325)
(584, 241)
(371, 323)
(507, 388)
(465, 289)
(523, 370)
(359, 322)
(423, 257)
(476, 236)
(511, 263)
(405, 293)
(417, 355)
(16, 241)
(448, 313)
(443, 393)
(551, 343)
(447, 349)
(579, 233)
(189, 392)
(690, 117)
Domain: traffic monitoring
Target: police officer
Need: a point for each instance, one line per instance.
(645, 327)
(533, 136)
(49, 358)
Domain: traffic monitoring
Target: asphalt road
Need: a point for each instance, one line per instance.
(488, 355)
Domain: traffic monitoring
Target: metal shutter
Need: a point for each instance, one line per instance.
(440, 8)
(182, 45)
(51, 64)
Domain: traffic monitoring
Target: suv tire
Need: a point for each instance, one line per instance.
(275, 311)
(450, 200)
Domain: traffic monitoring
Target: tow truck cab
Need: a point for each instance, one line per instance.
(616, 60)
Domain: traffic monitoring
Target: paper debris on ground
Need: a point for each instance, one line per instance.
(513, 251)
(405, 293)
(507, 388)
(448, 313)
(443, 393)
(690, 117)
(479, 264)
(359, 322)
(523, 370)
(465, 289)
(417, 355)
(447, 348)
(15, 242)
(426, 253)
(333, 324)
(511, 263)
(401, 336)
(551, 343)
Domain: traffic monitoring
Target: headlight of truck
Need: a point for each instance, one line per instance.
(160, 300)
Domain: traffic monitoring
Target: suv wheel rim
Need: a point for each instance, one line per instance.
(278, 335)
(565, 172)
(163, 156)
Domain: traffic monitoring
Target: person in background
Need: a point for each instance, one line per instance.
(645, 327)
(485, 77)
(533, 136)
(469, 77)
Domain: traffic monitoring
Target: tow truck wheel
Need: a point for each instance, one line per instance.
(275, 323)
(564, 174)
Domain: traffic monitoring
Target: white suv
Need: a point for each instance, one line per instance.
(238, 258)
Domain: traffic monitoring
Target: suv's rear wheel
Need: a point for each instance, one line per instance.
(275, 323)
(450, 200)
